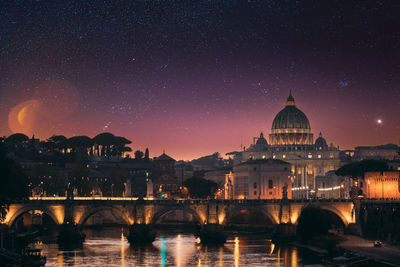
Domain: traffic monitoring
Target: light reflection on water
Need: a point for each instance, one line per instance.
(108, 247)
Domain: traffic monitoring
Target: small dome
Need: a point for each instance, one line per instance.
(320, 143)
(291, 117)
(261, 140)
(164, 156)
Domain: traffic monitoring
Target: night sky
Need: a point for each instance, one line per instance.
(196, 77)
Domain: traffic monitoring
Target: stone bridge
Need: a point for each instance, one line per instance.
(134, 211)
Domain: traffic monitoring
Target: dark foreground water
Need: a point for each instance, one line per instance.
(108, 247)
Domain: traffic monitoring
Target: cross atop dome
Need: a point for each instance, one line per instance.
(290, 100)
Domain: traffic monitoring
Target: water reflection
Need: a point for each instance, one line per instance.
(163, 252)
(109, 247)
(236, 253)
(179, 249)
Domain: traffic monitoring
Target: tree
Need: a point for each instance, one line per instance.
(138, 154)
(17, 142)
(79, 147)
(146, 154)
(13, 182)
(56, 142)
(17, 138)
(357, 169)
(107, 144)
(103, 143)
(312, 222)
(200, 187)
(119, 145)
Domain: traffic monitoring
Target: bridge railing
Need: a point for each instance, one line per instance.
(126, 200)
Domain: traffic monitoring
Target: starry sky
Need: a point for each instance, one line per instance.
(197, 77)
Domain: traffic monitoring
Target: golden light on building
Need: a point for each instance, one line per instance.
(383, 184)
(59, 212)
(221, 218)
(294, 217)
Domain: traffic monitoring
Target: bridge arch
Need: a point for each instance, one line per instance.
(58, 219)
(92, 211)
(337, 212)
(238, 209)
(335, 216)
(164, 211)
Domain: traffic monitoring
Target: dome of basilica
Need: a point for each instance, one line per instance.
(291, 117)
(291, 127)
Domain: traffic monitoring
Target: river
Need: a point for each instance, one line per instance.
(108, 247)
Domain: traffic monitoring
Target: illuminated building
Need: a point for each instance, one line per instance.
(259, 179)
(382, 184)
(331, 186)
(164, 181)
(291, 128)
(291, 140)
(381, 152)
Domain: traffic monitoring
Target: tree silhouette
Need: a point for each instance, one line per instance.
(17, 142)
(107, 145)
(146, 154)
(200, 187)
(103, 143)
(138, 154)
(56, 143)
(17, 138)
(357, 169)
(13, 182)
(79, 146)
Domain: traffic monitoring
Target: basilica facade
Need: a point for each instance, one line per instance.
(292, 141)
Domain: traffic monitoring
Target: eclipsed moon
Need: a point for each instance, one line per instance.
(22, 118)
(53, 101)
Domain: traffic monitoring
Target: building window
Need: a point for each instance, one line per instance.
(319, 156)
(263, 156)
(273, 156)
(284, 156)
(270, 184)
(255, 192)
(331, 155)
(309, 156)
(270, 193)
(254, 169)
(255, 185)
